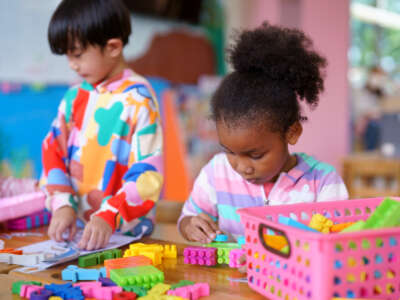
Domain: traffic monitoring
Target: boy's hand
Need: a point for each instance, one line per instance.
(62, 219)
(199, 228)
(95, 235)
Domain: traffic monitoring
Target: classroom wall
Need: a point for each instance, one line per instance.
(326, 134)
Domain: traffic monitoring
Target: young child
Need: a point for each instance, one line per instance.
(257, 113)
(102, 159)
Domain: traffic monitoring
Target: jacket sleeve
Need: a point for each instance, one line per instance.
(203, 197)
(55, 178)
(142, 182)
(331, 188)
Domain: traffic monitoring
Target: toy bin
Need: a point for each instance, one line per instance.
(363, 264)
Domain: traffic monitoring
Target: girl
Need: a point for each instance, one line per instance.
(257, 114)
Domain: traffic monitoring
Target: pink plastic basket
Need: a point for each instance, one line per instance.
(364, 264)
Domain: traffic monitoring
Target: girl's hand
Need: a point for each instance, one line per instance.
(96, 234)
(199, 228)
(63, 219)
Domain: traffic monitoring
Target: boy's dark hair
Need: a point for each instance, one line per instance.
(88, 22)
(273, 68)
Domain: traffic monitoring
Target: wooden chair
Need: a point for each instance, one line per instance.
(371, 175)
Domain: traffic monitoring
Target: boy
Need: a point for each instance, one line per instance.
(102, 159)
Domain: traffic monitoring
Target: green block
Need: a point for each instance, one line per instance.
(387, 214)
(88, 260)
(181, 284)
(136, 289)
(16, 286)
(98, 258)
(143, 276)
(223, 250)
(111, 254)
(357, 226)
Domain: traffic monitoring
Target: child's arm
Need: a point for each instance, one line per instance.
(61, 199)
(142, 180)
(198, 220)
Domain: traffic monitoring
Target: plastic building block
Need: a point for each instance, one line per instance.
(74, 273)
(357, 226)
(16, 286)
(293, 223)
(11, 251)
(320, 223)
(221, 238)
(181, 284)
(153, 251)
(135, 289)
(40, 295)
(234, 256)
(126, 262)
(241, 240)
(387, 214)
(125, 296)
(159, 289)
(200, 256)
(65, 291)
(27, 290)
(106, 281)
(341, 226)
(22, 259)
(34, 220)
(170, 251)
(192, 292)
(95, 290)
(56, 298)
(144, 276)
(223, 250)
(98, 258)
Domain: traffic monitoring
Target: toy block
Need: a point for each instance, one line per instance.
(27, 290)
(320, 223)
(341, 226)
(181, 284)
(126, 262)
(275, 241)
(156, 257)
(241, 240)
(65, 291)
(293, 223)
(106, 281)
(74, 273)
(95, 290)
(138, 290)
(16, 286)
(387, 214)
(192, 292)
(159, 289)
(34, 220)
(58, 298)
(125, 296)
(42, 294)
(234, 256)
(170, 251)
(98, 258)
(137, 248)
(144, 276)
(221, 238)
(200, 256)
(11, 251)
(357, 226)
(22, 259)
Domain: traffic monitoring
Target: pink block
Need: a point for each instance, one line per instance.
(234, 255)
(200, 256)
(192, 292)
(87, 287)
(21, 205)
(94, 289)
(27, 290)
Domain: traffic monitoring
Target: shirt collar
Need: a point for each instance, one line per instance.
(113, 83)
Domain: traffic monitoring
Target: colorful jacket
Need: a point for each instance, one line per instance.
(103, 154)
(219, 190)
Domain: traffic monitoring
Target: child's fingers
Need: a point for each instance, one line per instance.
(59, 231)
(93, 240)
(85, 238)
(205, 226)
(100, 241)
(72, 231)
(210, 221)
(198, 235)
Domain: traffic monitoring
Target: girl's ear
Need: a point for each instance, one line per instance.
(114, 47)
(293, 133)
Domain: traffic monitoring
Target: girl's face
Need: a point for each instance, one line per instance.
(92, 63)
(258, 154)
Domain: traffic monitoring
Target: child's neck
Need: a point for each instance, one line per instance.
(119, 67)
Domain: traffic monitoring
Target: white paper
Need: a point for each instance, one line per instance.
(57, 253)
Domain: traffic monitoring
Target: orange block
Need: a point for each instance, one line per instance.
(11, 251)
(126, 262)
(275, 241)
(340, 227)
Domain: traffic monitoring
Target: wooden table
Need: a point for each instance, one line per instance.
(174, 269)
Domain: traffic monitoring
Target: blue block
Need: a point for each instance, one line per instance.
(221, 238)
(241, 240)
(74, 273)
(294, 223)
(65, 291)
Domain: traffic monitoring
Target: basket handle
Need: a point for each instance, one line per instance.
(261, 228)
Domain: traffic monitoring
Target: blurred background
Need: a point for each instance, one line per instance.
(179, 45)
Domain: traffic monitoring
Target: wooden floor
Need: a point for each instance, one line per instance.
(174, 269)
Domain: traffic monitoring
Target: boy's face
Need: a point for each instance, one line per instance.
(92, 63)
(257, 154)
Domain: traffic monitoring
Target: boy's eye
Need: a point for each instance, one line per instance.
(77, 55)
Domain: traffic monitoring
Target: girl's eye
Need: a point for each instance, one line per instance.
(256, 156)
